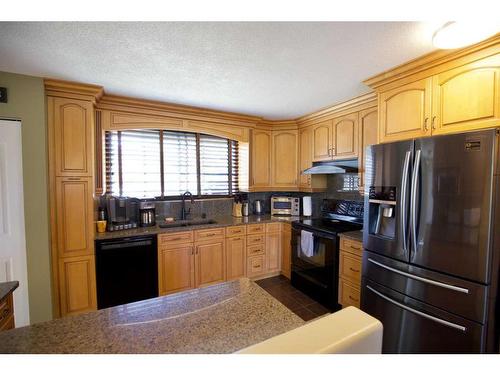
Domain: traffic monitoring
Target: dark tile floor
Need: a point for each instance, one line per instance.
(281, 289)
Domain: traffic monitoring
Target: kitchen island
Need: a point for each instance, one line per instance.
(223, 318)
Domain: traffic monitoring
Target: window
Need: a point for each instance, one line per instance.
(161, 163)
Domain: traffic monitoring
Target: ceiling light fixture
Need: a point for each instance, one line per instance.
(460, 34)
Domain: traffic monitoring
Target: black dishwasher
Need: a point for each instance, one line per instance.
(126, 270)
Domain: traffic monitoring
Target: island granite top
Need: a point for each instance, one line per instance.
(7, 287)
(223, 318)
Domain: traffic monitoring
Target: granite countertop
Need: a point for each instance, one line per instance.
(7, 287)
(223, 318)
(221, 221)
(356, 235)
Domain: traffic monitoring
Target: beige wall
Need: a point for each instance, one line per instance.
(26, 102)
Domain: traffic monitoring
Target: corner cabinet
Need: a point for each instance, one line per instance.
(70, 120)
(308, 182)
(335, 139)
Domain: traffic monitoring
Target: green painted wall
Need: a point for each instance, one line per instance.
(26, 102)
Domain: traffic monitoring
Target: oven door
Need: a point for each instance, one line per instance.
(316, 272)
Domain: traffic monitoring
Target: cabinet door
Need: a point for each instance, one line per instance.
(176, 269)
(261, 158)
(305, 157)
(345, 136)
(405, 111)
(74, 216)
(236, 257)
(367, 136)
(77, 291)
(286, 251)
(210, 263)
(467, 98)
(321, 141)
(273, 252)
(72, 126)
(284, 158)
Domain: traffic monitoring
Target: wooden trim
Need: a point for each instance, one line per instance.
(432, 60)
(99, 160)
(75, 90)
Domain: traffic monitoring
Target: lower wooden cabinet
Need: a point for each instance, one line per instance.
(77, 285)
(256, 266)
(210, 262)
(286, 250)
(349, 295)
(236, 257)
(176, 268)
(7, 313)
(273, 252)
(349, 272)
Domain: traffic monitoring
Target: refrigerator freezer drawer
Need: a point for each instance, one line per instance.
(458, 296)
(411, 326)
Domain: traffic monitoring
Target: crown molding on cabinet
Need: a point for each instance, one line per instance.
(436, 61)
(75, 90)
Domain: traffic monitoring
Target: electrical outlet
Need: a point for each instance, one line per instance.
(3, 94)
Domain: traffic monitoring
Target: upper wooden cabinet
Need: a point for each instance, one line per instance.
(367, 136)
(466, 98)
(335, 139)
(345, 137)
(74, 216)
(284, 160)
(305, 156)
(261, 158)
(72, 122)
(405, 112)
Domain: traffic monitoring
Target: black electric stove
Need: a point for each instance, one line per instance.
(315, 269)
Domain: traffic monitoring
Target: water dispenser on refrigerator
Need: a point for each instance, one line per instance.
(382, 211)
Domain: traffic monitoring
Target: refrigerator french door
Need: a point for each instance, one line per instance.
(430, 266)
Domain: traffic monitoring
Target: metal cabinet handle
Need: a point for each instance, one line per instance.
(422, 314)
(353, 270)
(353, 299)
(426, 125)
(433, 123)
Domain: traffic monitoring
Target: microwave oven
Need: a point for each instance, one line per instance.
(289, 206)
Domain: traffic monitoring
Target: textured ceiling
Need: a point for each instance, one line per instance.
(274, 70)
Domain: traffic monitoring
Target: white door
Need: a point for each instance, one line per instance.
(12, 236)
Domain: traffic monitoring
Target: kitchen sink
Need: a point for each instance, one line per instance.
(186, 223)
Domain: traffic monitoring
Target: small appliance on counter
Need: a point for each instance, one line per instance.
(307, 206)
(245, 209)
(122, 212)
(285, 206)
(147, 214)
(258, 207)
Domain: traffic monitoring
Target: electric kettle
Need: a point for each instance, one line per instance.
(258, 207)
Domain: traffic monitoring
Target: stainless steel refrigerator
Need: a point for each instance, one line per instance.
(432, 243)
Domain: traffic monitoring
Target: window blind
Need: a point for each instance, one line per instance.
(214, 165)
(179, 163)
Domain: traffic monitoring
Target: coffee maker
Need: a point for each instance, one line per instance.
(147, 214)
(122, 212)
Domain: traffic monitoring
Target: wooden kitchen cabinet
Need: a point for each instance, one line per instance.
(273, 252)
(176, 268)
(466, 98)
(210, 262)
(351, 252)
(345, 137)
(308, 182)
(284, 159)
(236, 257)
(261, 158)
(367, 136)
(7, 313)
(74, 216)
(77, 285)
(286, 250)
(73, 125)
(405, 111)
(322, 136)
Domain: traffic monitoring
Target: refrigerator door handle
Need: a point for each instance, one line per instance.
(404, 196)
(419, 278)
(422, 314)
(413, 202)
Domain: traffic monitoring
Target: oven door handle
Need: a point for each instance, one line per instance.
(420, 313)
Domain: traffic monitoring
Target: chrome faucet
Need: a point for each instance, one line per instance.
(184, 212)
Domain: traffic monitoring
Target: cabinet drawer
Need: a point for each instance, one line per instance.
(6, 310)
(351, 246)
(255, 265)
(168, 239)
(255, 240)
(255, 250)
(239, 230)
(273, 227)
(350, 267)
(7, 323)
(255, 228)
(348, 294)
(208, 234)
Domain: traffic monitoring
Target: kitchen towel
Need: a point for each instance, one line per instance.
(307, 243)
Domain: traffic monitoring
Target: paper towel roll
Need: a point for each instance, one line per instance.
(306, 206)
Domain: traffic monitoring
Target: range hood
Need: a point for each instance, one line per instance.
(331, 167)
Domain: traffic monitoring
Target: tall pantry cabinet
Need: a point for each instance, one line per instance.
(71, 137)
